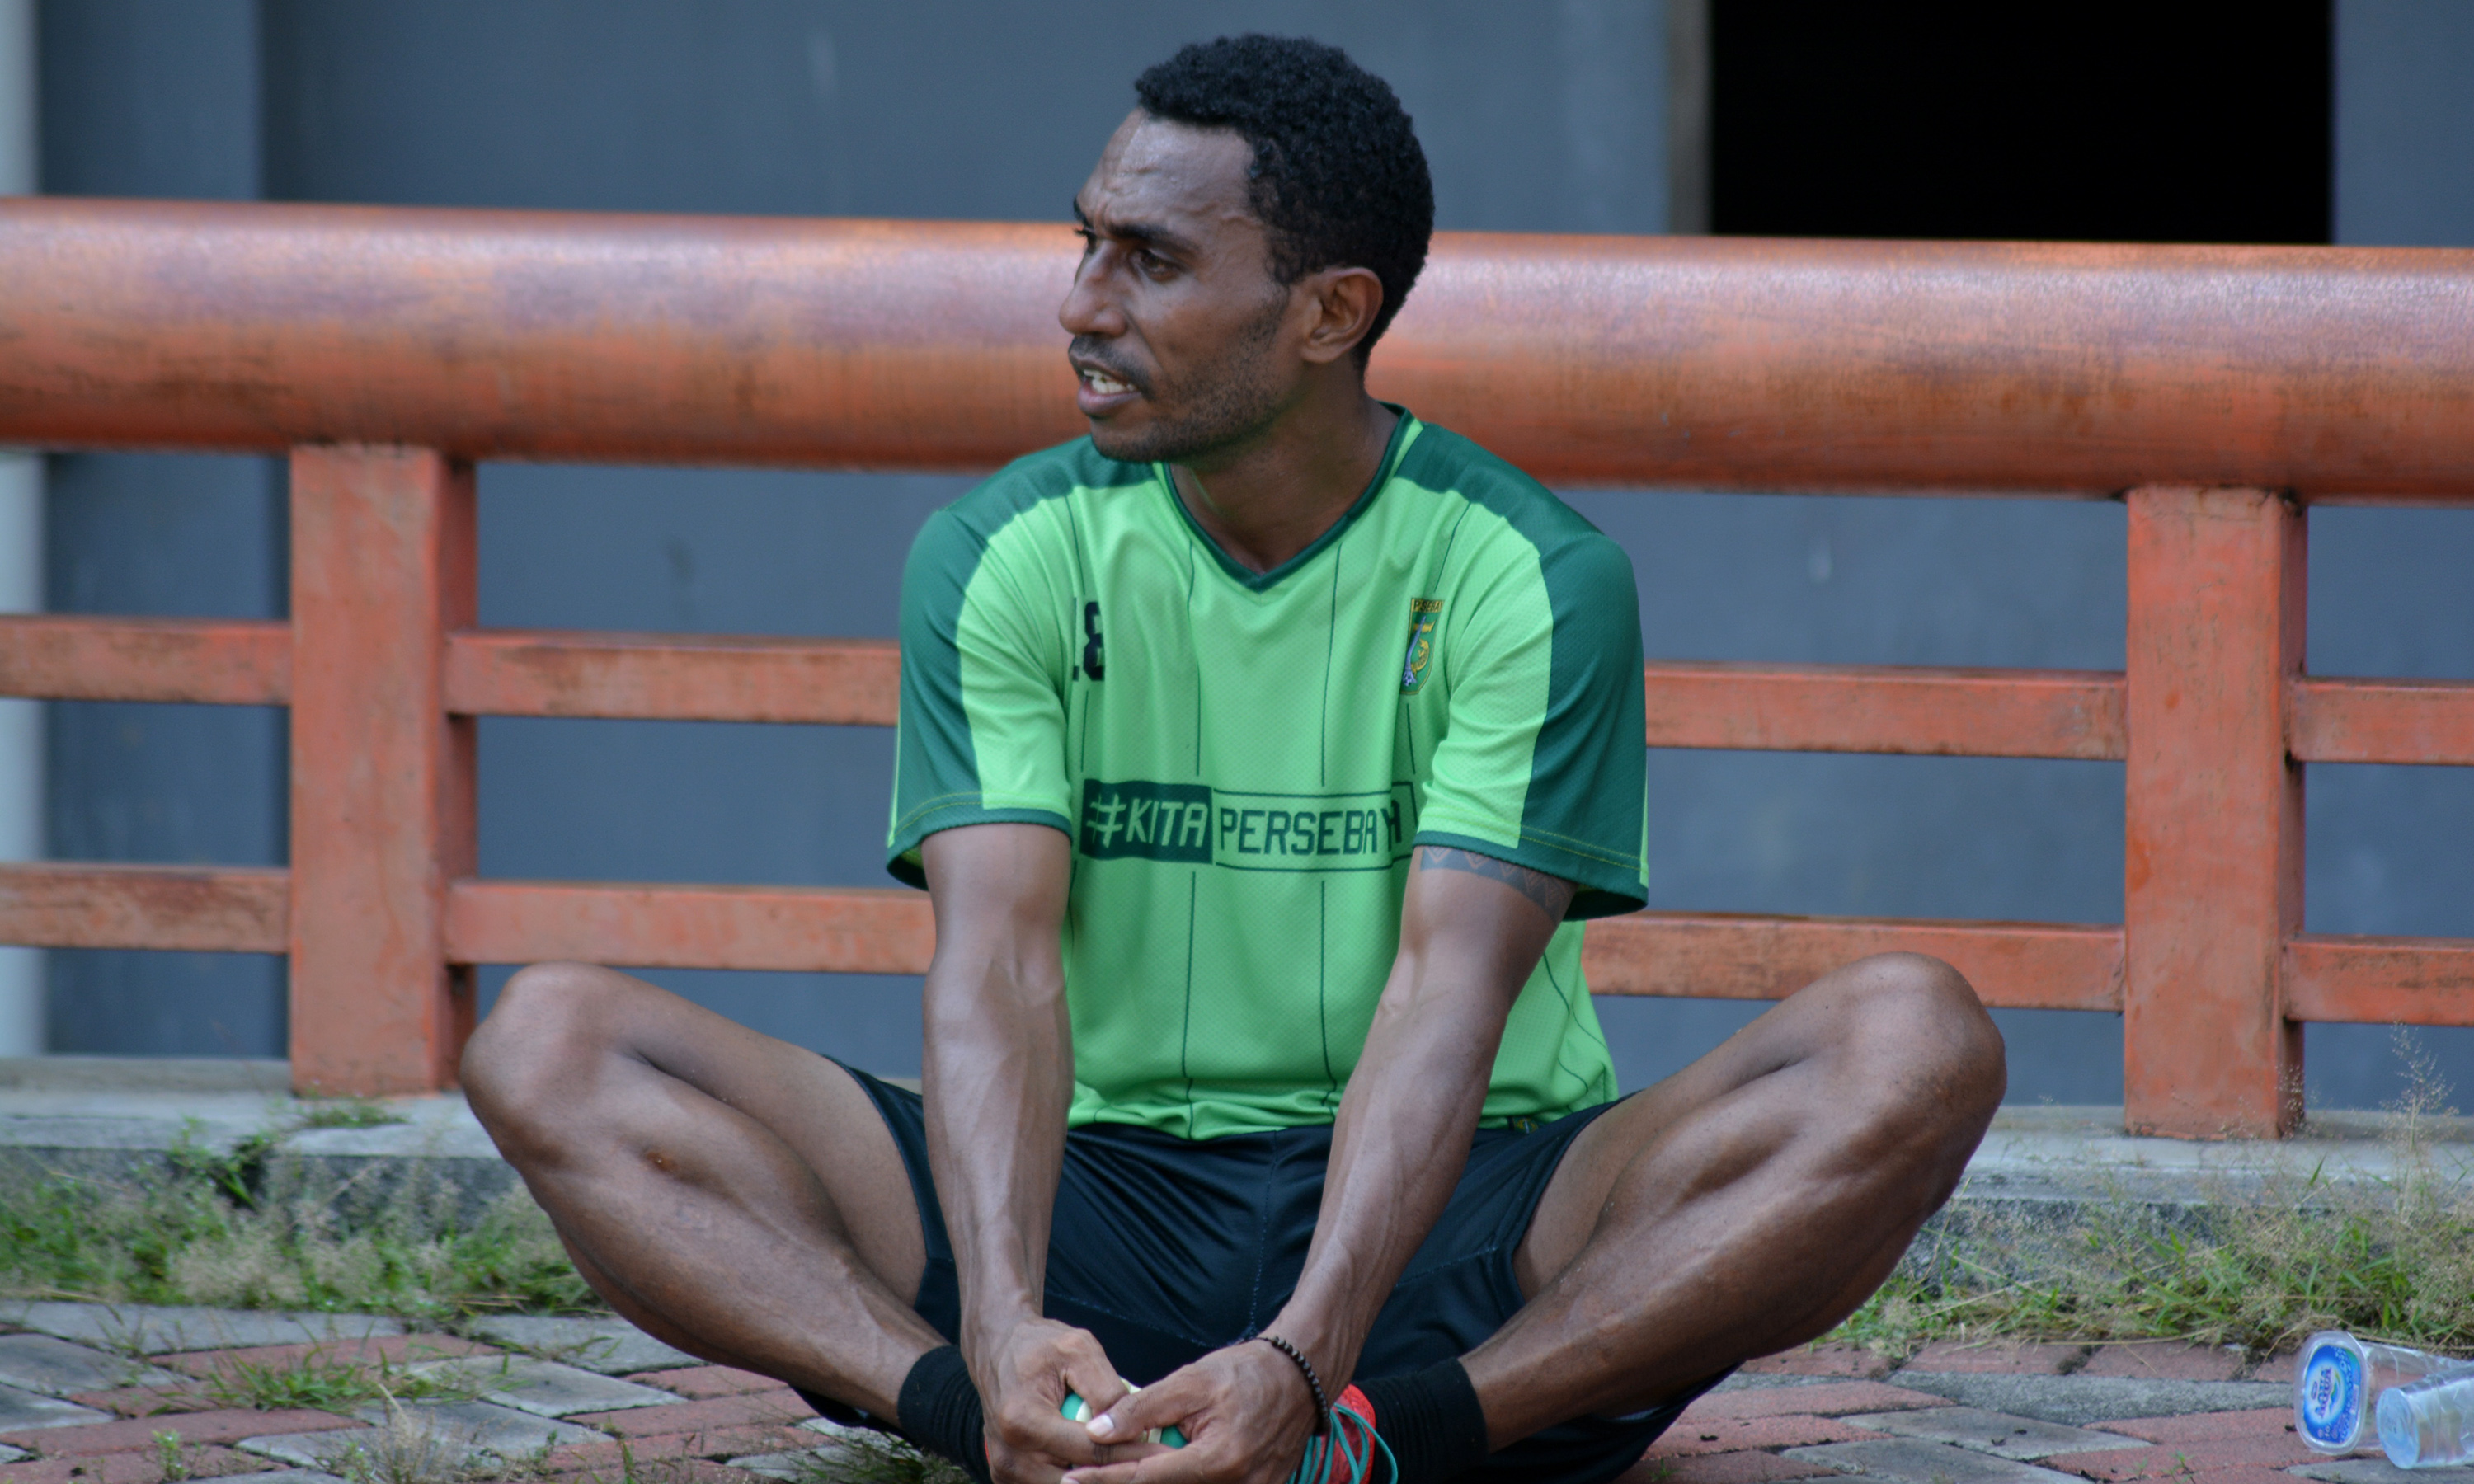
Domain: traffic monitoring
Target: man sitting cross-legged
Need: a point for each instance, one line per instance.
(1262, 754)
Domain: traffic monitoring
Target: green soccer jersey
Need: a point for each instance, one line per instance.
(1245, 760)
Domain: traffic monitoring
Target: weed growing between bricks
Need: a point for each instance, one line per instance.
(260, 1229)
(2261, 1261)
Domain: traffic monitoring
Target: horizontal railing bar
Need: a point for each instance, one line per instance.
(1886, 708)
(870, 930)
(1850, 709)
(214, 660)
(1822, 709)
(209, 909)
(2017, 965)
(2382, 721)
(2406, 981)
(2038, 966)
(516, 672)
(1697, 362)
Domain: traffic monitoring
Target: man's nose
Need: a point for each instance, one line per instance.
(1088, 308)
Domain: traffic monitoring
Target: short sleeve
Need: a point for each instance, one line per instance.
(1543, 762)
(980, 734)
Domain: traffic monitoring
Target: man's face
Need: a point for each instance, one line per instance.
(1181, 338)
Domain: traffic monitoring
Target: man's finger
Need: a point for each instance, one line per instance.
(1157, 1465)
(1163, 1405)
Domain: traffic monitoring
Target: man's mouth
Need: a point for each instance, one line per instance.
(1103, 384)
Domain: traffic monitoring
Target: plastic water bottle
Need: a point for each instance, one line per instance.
(2429, 1423)
(2340, 1382)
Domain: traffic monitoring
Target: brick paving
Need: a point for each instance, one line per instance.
(94, 1390)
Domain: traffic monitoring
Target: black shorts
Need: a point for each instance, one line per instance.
(1167, 1248)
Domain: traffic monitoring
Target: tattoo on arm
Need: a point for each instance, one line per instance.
(1552, 894)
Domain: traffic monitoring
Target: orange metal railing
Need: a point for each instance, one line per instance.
(2219, 391)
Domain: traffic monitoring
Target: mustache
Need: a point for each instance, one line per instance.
(1091, 351)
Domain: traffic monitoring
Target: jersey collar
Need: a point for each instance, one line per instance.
(1403, 431)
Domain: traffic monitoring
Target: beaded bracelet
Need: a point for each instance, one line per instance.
(1314, 1382)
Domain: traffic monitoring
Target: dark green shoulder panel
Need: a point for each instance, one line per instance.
(937, 769)
(1588, 776)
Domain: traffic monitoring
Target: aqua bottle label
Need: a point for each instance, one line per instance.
(2329, 1398)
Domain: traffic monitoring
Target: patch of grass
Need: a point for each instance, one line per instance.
(345, 1112)
(257, 1229)
(171, 1457)
(2262, 1263)
(327, 1385)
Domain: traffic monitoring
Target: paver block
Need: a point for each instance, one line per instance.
(1836, 1358)
(1916, 1461)
(2378, 1470)
(2211, 1426)
(1728, 1436)
(312, 1449)
(229, 1425)
(697, 1382)
(1825, 1398)
(2280, 1369)
(2083, 1400)
(544, 1388)
(612, 1347)
(2025, 1439)
(481, 1426)
(2165, 1360)
(392, 1349)
(60, 1368)
(151, 1330)
(20, 1411)
(610, 1454)
(788, 1465)
(136, 1468)
(149, 1401)
(756, 1407)
(1995, 1358)
(1718, 1468)
(672, 1470)
(2173, 1460)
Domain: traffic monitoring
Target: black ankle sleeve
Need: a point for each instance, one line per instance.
(1431, 1420)
(939, 1410)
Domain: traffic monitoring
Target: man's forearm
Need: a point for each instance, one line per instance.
(1472, 930)
(998, 1063)
(1398, 1149)
(997, 1073)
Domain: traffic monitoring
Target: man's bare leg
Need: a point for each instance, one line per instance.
(1748, 1203)
(732, 1194)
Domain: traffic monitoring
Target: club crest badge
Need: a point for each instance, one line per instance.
(1422, 613)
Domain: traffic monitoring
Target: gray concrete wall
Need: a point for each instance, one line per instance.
(1537, 117)
(2389, 848)
(143, 99)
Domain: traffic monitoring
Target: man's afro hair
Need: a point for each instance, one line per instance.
(1337, 178)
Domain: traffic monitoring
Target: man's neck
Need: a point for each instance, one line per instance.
(1269, 500)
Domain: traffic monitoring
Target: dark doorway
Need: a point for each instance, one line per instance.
(2091, 121)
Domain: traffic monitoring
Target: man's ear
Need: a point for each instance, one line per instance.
(1345, 301)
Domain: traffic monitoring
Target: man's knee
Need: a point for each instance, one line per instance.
(548, 1018)
(1920, 1042)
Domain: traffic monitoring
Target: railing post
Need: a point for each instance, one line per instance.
(382, 804)
(2213, 859)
